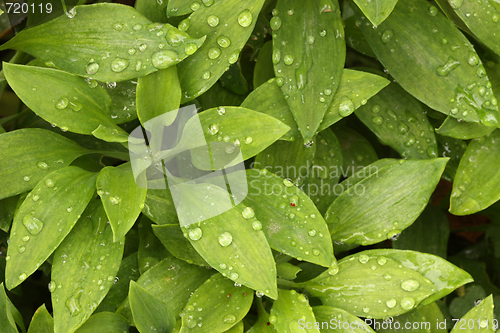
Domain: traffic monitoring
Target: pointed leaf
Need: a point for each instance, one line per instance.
(461, 130)
(376, 11)
(290, 221)
(110, 134)
(290, 313)
(337, 317)
(482, 317)
(444, 275)
(356, 85)
(453, 149)
(155, 11)
(6, 320)
(262, 325)
(400, 122)
(151, 251)
(105, 322)
(456, 81)
(42, 321)
(365, 284)
(234, 246)
(227, 26)
(61, 98)
(218, 304)
(123, 200)
(476, 183)
(429, 317)
(157, 94)
(182, 7)
(80, 45)
(150, 314)
(264, 69)
(84, 269)
(308, 56)
(44, 219)
(159, 207)
(30, 154)
(8, 207)
(383, 204)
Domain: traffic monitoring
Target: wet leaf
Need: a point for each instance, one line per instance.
(459, 85)
(40, 225)
(308, 57)
(429, 317)
(383, 204)
(218, 305)
(461, 130)
(159, 207)
(183, 7)
(262, 325)
(105, 322)
(264, 69)
(8, 207)
(150, 313)
(151, 251)
(287, 271)
(336, 318)
(122, 94)
(376, 11)
(291, 311)
(83, 269)
(481, 315)
(81, 46)
(155, 11)
(6, 320)
(454, 149)
(41, 322)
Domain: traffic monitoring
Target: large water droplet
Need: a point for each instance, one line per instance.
(92, 68)
(288, 59)
(223, 41)
(433, 11)
(363, 258)
(52, 286)
(378, 120)
(225, 239)
(194, 6)
(248, 213)
(391, 303)
(447, 68)
(256, 225)
(119, 65)
(213, 129)
(73, 306)
(245, 18)
(346, 106)
(275, 23)
(455, 4)
(195, 234)
(410, 285)
(33, 224)
(62, 103)
(164, 59)
(473, 59)
(407, 303)
(213, 21)
(387, 36)
(214, 53)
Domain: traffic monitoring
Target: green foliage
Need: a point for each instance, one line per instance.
(338, 173)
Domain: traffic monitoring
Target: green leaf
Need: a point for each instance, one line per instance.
(461, 130)
(290, 221)
(151, 251)
(459, 306)
(217, 96)
(110, 134)
(123, 200)
(42, 321)
(476, 182)
(264, 69)
(400, 122)
(484, 23)
(262, 325)
(429, 318)
(356, 85)
(123, 95)
(8, 207)
(105, 322)
(45, 218)
(157, 94)
(81, 46)
(227, 26)
(238, 328)
(455, 79)
(454, 149)
(428, 234)
(171, 236)
(172, 281)
(236, 247)
(155, 11)
(353, 35)
(357, 151)
(366, 284)
(336, 317)
(234, 80)
(376, 11)
(183, 7)
(61, 98)
(150, 313)
(445, 276)
(308, 56)
(290, 312)
(159, 207)
(383, 204)
(287, 271)
(6, 320)
(481, 316)
(84, 269)
(30, 154)
(218, 304)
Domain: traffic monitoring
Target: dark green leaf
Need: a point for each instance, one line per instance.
(481, 315)
(155, 11)
(455, 79)
(383, 204)
(105, 322)
(30, 154)
(82, 46)
(366, 284)
(151, 251)
(461, 130)
(84, 268)
(376, 11)
(476, 183)
(336, 318)
(308, 57)
(44, 219)
(400, 122)
(219, 96)
(42, 321)
(7, 322)
(227, 26)
(159, 207)
(173, 239)
(122, 198)
(234, 81)
(353, 35)
(218, 305)
(454, 149)
(150, 313)
(7, 208)
(264, 70)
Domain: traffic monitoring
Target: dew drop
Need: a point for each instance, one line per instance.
(143, 47)
(26, 178)
(213, 21)
(117, 26)
(287, 182)
(223, 41)
(22, 249)
(322, 33)
(213, 129)
(378, 120)
(256, 225)
(23, 277)
(92, 68)
(387, 36)
(164, 59)
(275, 23)
(381, 260)
(62, 103)
(288, 59)
(410, 285)
(248, 213)
(245, 18)
(407, 303)
(214, 53)
(391, 303)
(206, 75)
(73, 306)
(119, 65)
(433, 11)
(248, 140)
(363, 258)
(114, 200)
(225, 239)
(52, 286)
(447, 68)
(195, 6)
(42, 165)
(49, 183)
(312, 232)
(455, 4)
(473, 59)
(26, 238)
(346, 106)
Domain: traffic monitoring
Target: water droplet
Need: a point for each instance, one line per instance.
(394, 235)
(22, 249)
(381, 260)
(214, 53)
(115, 200)
(407, 303)
(26, 238)
(248, 213)
(495, 18)
(119, 65)
(288, 59)
(213, 129)
(143, 47)
(378, 120)
(233, 276)
(410, 285)
(433, 11)
(473, 59)
(272, 318)
(73, 306)
(26, 178)
(52, 286)
(206, 75)
(322, 33)
(23, 277)
(275, 23)
(117, 26)
(225, 239)
(346, 106)
(431, 151)
(223, 41)
(233, 58)
(310, 40)
(164, 59)
(312, 232)
(75, 106)
(42, 165)
(402, 128)
(195, 6)
(49, 183)
(245, 18)
(447, 68)
(256, 225)
(184, 25)
(363, 258)
(92, 68)
(455, 4)
(62, 103)
(213, 21)
(208, 3)
(391, 303)
(387, 36)
(248, 140)
(287, 182)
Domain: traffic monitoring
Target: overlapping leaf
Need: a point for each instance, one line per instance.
(461, 130)
(290, 313)
(376, 11)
